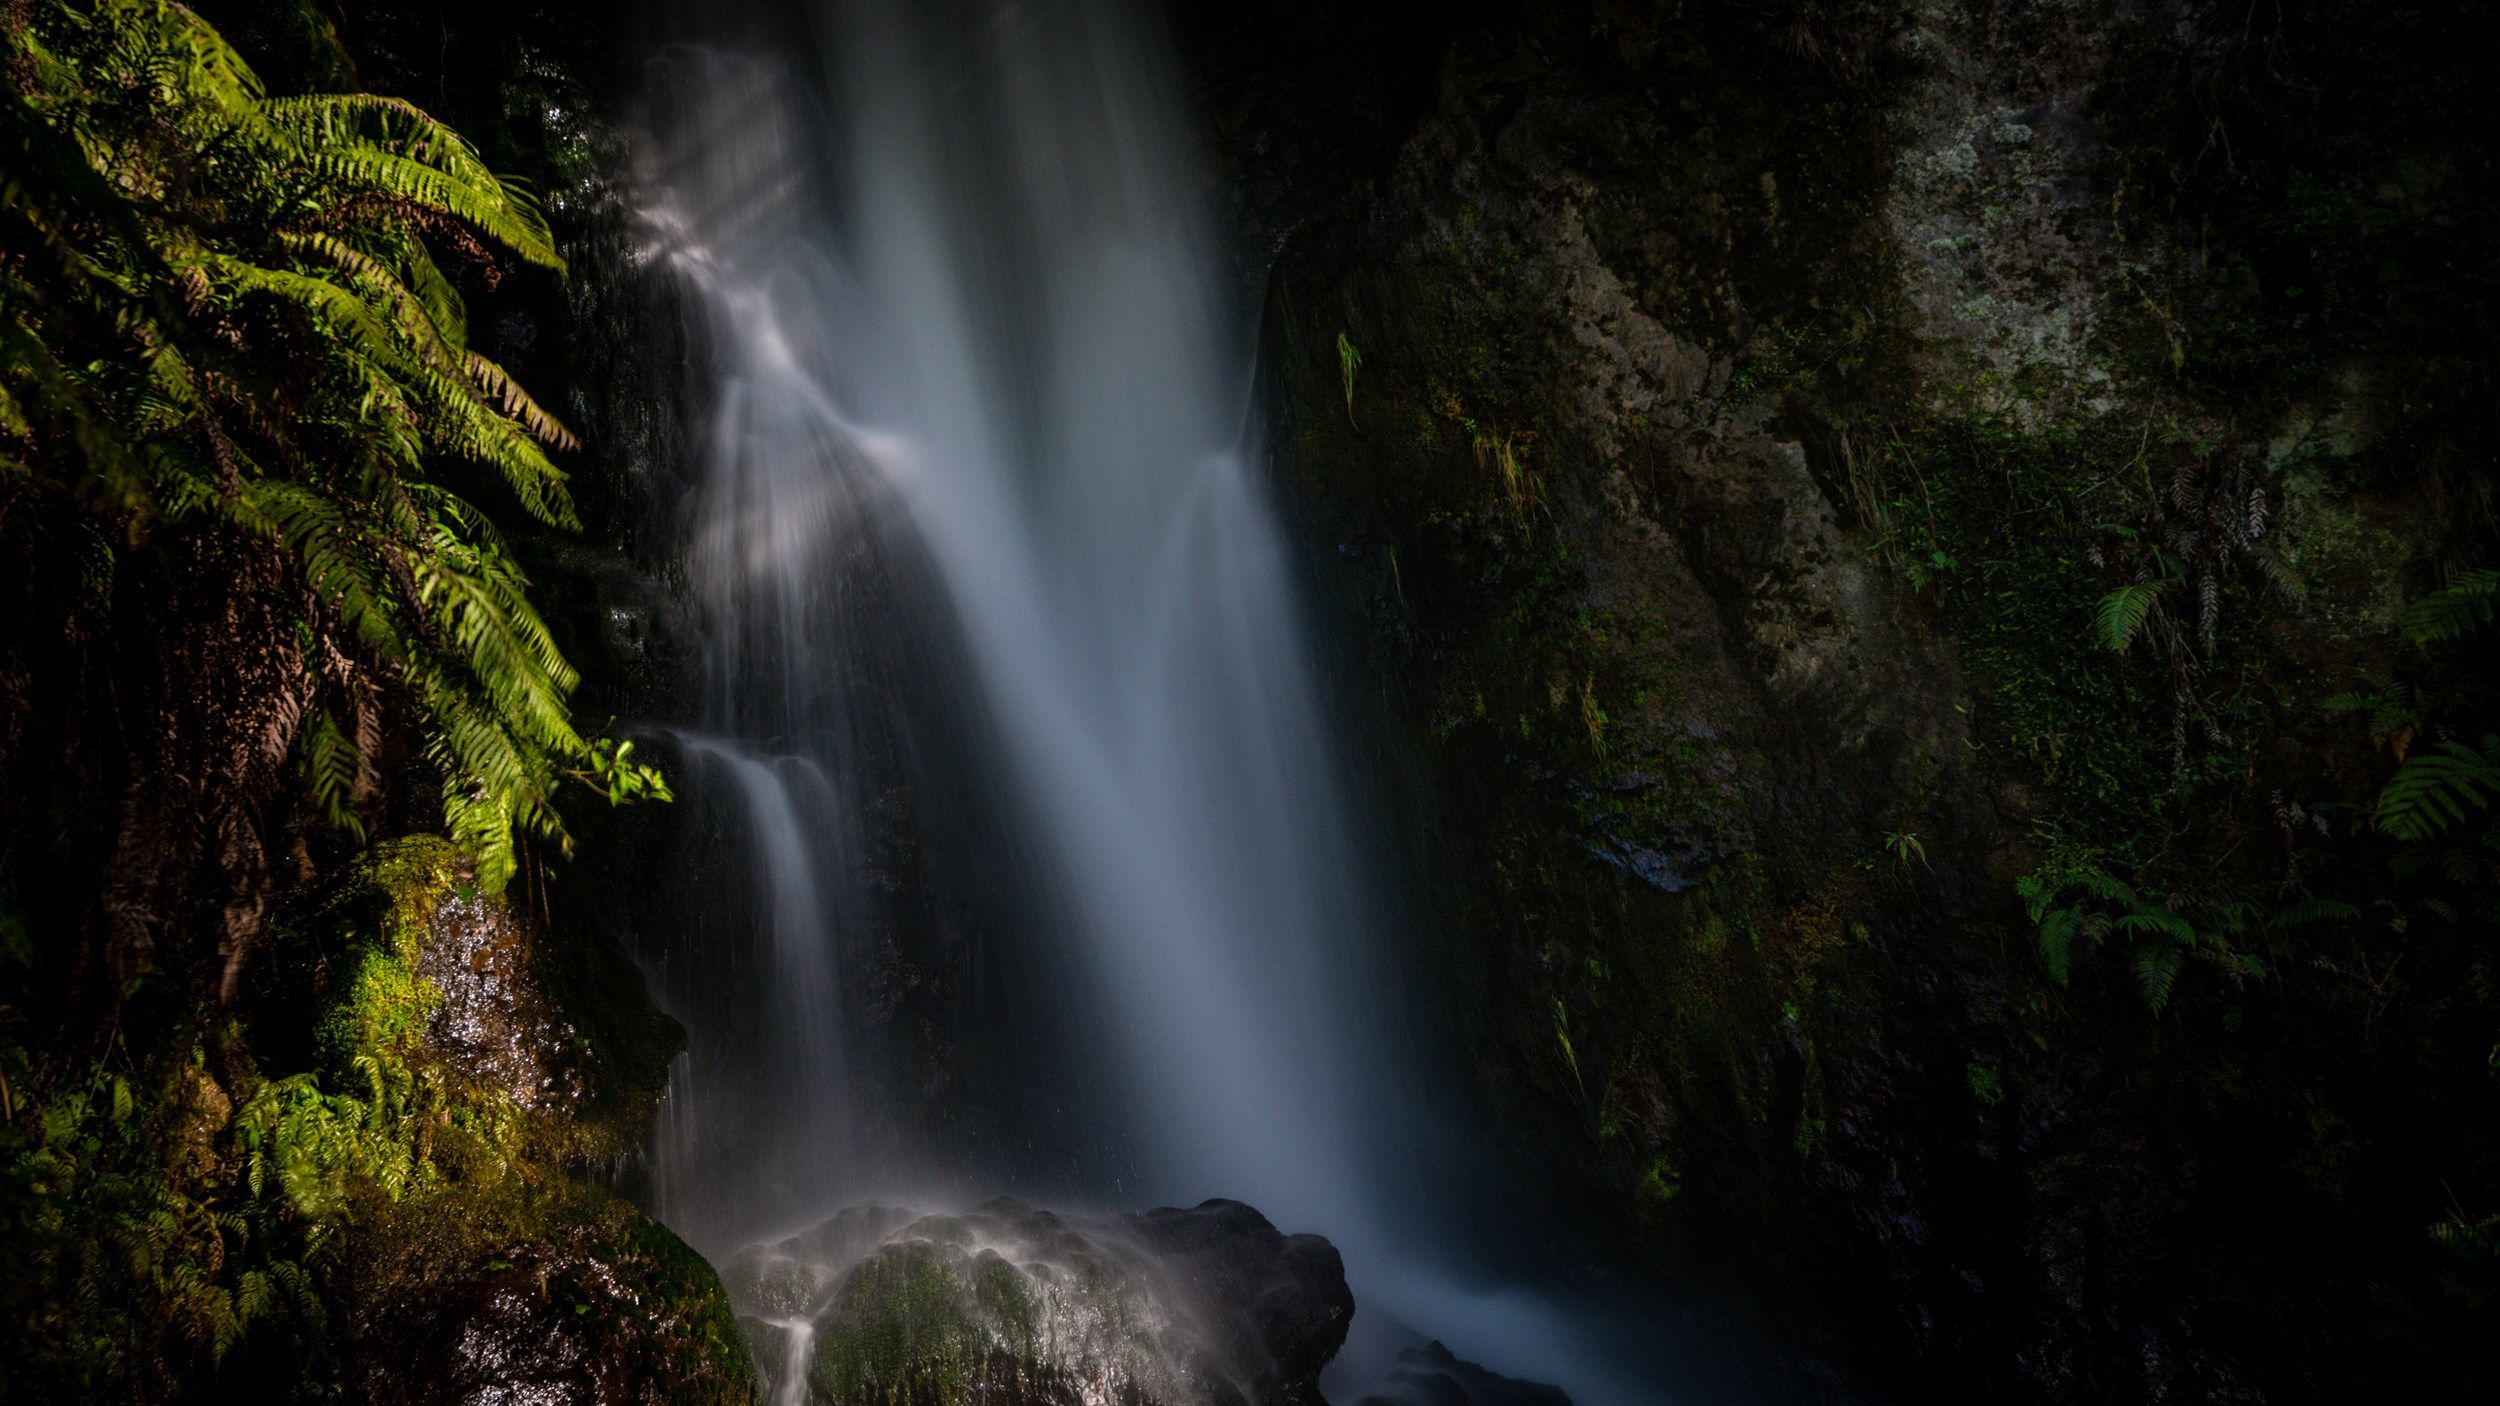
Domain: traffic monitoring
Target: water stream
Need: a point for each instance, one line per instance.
(1010, 724)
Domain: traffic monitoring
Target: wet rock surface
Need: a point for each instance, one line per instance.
(491, 1021)
(1618, 358)
(570, 1300)
(1009, 1303)
(486, 1271)
(1432, 1375)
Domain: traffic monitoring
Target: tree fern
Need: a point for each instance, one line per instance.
(289, 361)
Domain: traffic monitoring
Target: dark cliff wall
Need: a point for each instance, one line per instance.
(1733, 438)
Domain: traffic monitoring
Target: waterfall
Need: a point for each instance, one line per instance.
(980, 523)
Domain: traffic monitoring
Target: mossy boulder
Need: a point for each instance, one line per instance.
(1007, 1303)
(538, 1287)
(439, 1137)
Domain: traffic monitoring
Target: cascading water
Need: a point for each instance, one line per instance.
(976, 525)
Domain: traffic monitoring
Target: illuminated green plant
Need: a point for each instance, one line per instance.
(227, 316)
(1348, 361)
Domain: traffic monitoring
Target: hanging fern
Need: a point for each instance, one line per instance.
(2156, 971)
(2122, 613)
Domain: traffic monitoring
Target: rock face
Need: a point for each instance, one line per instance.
(1432, 1375)
(1716, 427)
(479, 1268)
(1007, 1303)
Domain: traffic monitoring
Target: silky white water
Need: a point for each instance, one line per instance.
(978, 512)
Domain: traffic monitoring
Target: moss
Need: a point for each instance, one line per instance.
(368, 937)
(1005, 1302)
(902, 1328)
(312, 1219)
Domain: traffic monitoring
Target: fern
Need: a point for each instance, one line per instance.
(2082, 905)
(2122, 613)
(293, 367)
(2058, 930)
(2462, 608)
(2156, 971)
(2395, 711)
(2315, 912)
(2438, 788)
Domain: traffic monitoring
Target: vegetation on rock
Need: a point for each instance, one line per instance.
(251, 472)
(1941, 783)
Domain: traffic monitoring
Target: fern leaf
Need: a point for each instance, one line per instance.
(2057, 939)
(517, 403)
(2313, 912)
(2463, 607)
(2438, 788)
(2156, 972)
(2122, 613)
(334, 772)
(2146, 918)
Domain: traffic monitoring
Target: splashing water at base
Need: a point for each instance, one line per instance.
(975, 519)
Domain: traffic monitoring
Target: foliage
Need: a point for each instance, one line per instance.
(2395, 710)
(1905, 845)
(2016, 531)
(251, 472)
(612, 770)
(2440, 787)
(228, 321)
(2455, 610)
(186, 1224)
(2185, 549)
(128, 1271)
(2080, 906)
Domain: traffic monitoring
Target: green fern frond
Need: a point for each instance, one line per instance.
(2121, 614)
(425, 281)
(2156, 972)
(335, 772)
(390, 146)
(2464, 606)
(2057, 942)
(2439, 788)
(226, 311)
(2159, 922)
(506, 392)
(495, 210)
(2312, 912)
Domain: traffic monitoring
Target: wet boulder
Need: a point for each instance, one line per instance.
(1432, 1375)
(1008, 1304)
